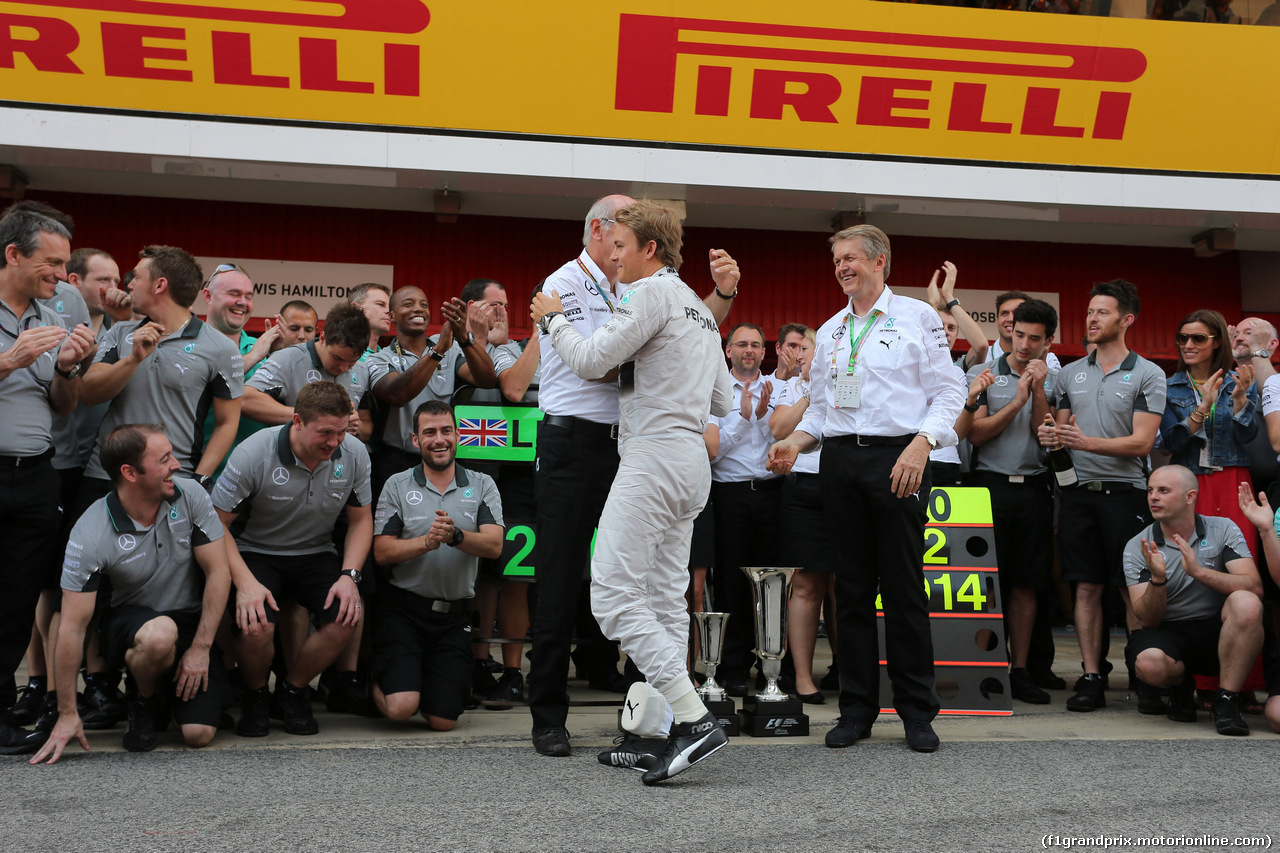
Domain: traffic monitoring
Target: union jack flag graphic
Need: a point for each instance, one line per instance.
(482, 432)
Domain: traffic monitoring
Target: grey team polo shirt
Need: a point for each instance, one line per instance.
(392, 359)
(1103, 405)
(1015, 451)
(26, 417)
(407, 509)
(1218, 542)
(72, 310)
(284, 508)
(173, 386)
(287, 372)
(149, 566)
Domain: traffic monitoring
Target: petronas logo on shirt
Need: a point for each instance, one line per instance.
(189, 348)
(467, 493)
(626, 297)
(58, 306)
(173, 513)
(337, 470)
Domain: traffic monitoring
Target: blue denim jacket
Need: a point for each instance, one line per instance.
(1230, 433)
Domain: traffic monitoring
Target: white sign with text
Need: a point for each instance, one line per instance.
(278, 282)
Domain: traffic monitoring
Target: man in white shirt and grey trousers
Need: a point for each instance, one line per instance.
(884, 394)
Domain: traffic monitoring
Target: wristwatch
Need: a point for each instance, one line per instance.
(355, 574)
(67, 374)
(728, 298)
(205, 481)
(954, 303)
(933, 442)
(438, 356)
(972, 408)
(457, 537)
(1260, 354)
(545, 322)
(471, 339)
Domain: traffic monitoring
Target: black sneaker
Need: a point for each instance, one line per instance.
(141, 736)
(25, 711)
(1047, 680)
(1150, 702)
(846, 732)
(348, 695)
(830, 681)
(920, 735)
(482, 681)
(1023, 687)
(255, 718)
(1089, 693)
(1182, 702)
(48, 716)
(1226, 714)
(507, 692)
(295, 707)
(491, 665)
(630, 751)
(16, 741)
(103, 705)
(553, 742)
(688, 744)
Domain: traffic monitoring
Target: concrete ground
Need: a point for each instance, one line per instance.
(997, 783)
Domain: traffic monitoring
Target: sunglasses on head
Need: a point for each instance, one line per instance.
(1198, 338)
(221, 268)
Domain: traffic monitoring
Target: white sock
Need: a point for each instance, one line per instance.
(645, 711)
(686, 706)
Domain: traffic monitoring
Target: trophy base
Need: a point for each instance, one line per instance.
(774, 719)
(725, 715)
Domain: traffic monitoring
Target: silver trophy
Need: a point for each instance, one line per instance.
(711, 627)
(769, 587)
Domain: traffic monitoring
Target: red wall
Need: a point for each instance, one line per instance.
(787, 276)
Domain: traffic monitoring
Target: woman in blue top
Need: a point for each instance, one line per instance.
(1210, 416)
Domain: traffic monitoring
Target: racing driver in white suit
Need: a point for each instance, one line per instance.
(672, 375)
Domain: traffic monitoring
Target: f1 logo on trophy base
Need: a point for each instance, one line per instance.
(772, 713)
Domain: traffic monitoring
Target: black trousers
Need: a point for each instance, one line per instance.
(575, 470)
(879, 544)
(746, 535)
(29, 523)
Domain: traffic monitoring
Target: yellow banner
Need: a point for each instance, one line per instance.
(889, 79)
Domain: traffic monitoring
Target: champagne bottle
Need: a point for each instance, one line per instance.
(1064, 470)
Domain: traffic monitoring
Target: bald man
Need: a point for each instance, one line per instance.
(1196, 592)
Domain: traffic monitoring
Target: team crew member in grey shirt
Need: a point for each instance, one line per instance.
(169, 367)
(1011, 465)
(672, 377)
(157, 542)
(413, 368)
(334, 356)
(40, 362)
(1108, 409)
(434, 523)
(290, 483)
(1197, 595)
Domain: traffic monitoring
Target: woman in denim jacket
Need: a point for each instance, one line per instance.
(1210, 416)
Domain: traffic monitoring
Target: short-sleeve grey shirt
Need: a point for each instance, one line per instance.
(407, 509)
(291, 369)
(393, 359)
(72, 310)
(149, 566)
(1218, 542)
(26, 416)
(1103, 405)
(1015, 451)
(174, 386)
(285, 508)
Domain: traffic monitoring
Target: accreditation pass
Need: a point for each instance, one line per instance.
(848, 391)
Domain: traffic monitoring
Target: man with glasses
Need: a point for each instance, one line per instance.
(578, 459)
(744, 498)
(40, 363)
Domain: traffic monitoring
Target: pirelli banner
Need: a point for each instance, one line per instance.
(831, 76)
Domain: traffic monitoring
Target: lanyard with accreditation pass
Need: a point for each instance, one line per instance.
(602, 288)
(848, 388)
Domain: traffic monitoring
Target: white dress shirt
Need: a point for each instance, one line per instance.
(909, 383)
(791, 393)
(560, 390)
(744, 445)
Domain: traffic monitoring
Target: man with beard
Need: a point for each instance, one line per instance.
(1109, 406)
(434, 524)
(667, 345)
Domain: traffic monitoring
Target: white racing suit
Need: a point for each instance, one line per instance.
(672, 375)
